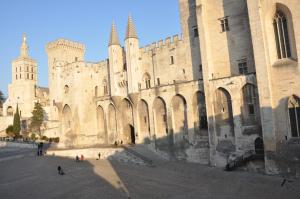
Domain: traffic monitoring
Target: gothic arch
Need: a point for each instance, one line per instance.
(284, 32)
(199, 112)
(179, 118)
(294, 115)
(143, 120)
(223, 113)
(101, 127)
(9, 111)
(67, 126)
(147, 80)
(160, 118)
(126, 112)
(112, 123)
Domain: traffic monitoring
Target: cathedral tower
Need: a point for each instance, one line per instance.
(22, 90)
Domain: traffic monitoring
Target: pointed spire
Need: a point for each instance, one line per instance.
(114, 39)
(24, 47)
(131, 33)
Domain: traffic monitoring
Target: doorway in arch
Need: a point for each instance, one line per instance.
(129, 135)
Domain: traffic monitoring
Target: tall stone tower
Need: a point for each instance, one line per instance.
(116, 64)
(189, 28)
(60, 53)
(22, 90)
(132, 57)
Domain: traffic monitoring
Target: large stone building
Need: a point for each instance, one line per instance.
(239, 93)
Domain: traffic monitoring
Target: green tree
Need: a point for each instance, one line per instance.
(37, 117)
(17, 122)
(10, 131)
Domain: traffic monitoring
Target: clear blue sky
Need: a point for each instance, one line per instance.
(86, 21)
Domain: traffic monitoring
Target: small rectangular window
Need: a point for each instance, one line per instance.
(196, 33)
(158, 81)
(224, 24)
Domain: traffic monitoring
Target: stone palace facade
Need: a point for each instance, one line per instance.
(229, 85)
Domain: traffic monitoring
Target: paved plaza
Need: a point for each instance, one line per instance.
(24, 175)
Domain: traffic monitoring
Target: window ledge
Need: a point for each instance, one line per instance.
(285, 61)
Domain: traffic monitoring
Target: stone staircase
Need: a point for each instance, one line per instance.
(150, 157)
(106, 152)
(239, 160)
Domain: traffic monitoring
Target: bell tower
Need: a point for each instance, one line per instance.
(22, 90)
(24, 68)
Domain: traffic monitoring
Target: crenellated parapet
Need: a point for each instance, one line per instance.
(163, 44)
(65, 44)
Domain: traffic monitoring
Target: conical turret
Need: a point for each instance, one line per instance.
(24, 47)
(131, 32)
(114, 39)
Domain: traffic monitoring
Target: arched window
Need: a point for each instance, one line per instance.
(66, 88)
(147, 80)
(280, 23)
(294, 113)
(249, 99)
(9, 111)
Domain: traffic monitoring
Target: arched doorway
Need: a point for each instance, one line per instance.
(143, 118)
(259, 146)
(129, 135)
(294, 115)
(101, 133)
(112, 124)
(127, 121)
(199, 113)
(179, 118)
(223, 113)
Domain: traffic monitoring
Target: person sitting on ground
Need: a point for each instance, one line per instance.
(77, 158)
(60, 171)
(81, 158)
